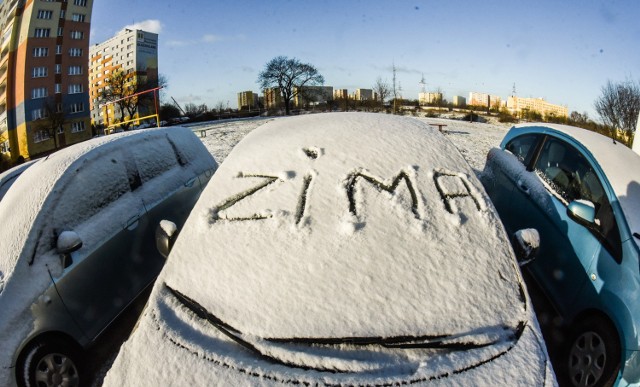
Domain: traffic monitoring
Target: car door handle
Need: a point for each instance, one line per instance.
(132, 223)
(523, 187)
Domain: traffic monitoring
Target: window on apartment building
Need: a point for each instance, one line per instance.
(140, 35)
(62, 14)
(58, 69)
(58, 88)
(77, 126)
(75, 70)
(77, 35)
(42, 32)
(60, 130)
(60, 31)
(78, 17)
(39, 72)
(37, 114)
(80, 3)
(75, 52)
(39, 92)
(58, 49)
(76, 107)
(41, 135)
(75, 88)
(59, 107)
(44, 14)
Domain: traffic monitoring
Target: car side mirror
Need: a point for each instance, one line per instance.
(67, 243)
(166, 234)
(526, 243)
(583, 212)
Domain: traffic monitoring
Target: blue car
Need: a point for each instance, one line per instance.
(581, 191)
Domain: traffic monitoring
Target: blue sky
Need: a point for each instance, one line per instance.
(563, 51)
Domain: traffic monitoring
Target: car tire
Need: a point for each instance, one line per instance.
(50, 362)
(592, 355)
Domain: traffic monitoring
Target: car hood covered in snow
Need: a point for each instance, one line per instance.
(347, 247)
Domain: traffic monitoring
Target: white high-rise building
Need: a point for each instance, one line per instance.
(135, 52)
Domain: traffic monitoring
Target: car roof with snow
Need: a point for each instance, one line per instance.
(620, 164)
(325, 230)
(33, 197)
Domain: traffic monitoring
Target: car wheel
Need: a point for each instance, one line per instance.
(53, 362)
(592, 356)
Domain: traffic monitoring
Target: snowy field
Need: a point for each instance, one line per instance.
(473, 139)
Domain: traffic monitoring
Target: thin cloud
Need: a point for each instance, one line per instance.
(210, 38)
(151, 25)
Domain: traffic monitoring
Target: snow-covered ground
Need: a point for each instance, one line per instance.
(473, 139)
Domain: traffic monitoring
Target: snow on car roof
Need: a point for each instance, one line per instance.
(342, 225)
(21, 210)
(620, 164)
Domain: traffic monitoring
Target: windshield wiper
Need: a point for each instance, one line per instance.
(465, 341)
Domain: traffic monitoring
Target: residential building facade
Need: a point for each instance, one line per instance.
(518, 104)
(340, 94)
(311, 95)
(273, 98)
(429, 98)
(135, 53)
(247, 100)
(459, 101)
(483, 100)
(363, 95)
(44, 100)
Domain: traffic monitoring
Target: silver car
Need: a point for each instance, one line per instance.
(78, 243)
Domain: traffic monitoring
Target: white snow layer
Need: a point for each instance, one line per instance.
(333, 226)
(27, 265)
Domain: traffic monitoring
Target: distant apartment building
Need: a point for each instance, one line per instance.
(247, 100)
(517, 104)
(134, 52)
(44, 102)
(273, 98)
(312, 95)
(459, 101)
(483, 100)
(340, 94)
(363, 95)
(429, 98)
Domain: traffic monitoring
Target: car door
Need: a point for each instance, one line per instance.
(99, 205)
(560, 175)
(500, 172)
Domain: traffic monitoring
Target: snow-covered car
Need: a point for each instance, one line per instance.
(581, 191)
(338, 249)
(78, 243)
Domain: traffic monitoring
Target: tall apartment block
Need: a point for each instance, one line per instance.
(484, 100)
(517, 104)
(135, 52)
(44, 100)
(247, 100)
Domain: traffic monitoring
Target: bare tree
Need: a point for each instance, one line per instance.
(619, 105)
(53, 119)
(289, 76)
(383, 90)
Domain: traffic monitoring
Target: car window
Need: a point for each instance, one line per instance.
(96, 184)
(572, 177)
(153, 158)
(523, 146)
